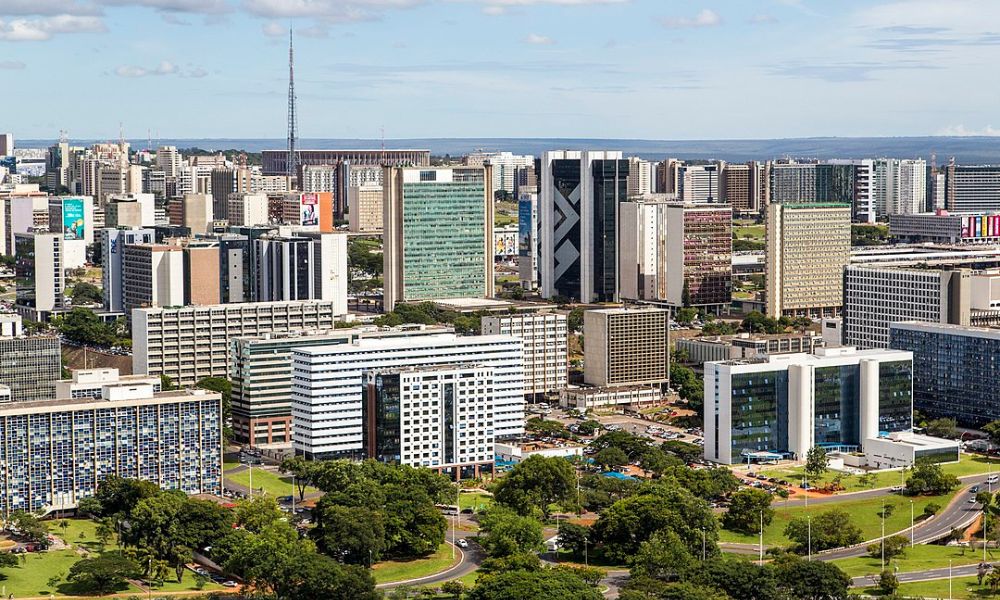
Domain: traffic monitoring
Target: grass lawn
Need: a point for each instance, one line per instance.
(918, 558)
(962, 587)
(749, 232)
(273, 484)
(186, 584)
(502, 219)
(968, 464)
(401, 570)
(864, 514)
(474, 500)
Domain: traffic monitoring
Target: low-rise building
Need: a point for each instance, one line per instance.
(587, 397)
(745, 345)
(90, 383)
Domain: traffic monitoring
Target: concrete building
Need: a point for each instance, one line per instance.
(676, 253)
(579, 196)
(954, 370)
(169, 160)
(132, 210)
(900, 186)
(972, 188)
(591, 397)
(152, 275)
(73, 216)
(6, 144)
(202, 277)
(90, 383)
(424, 260)
(544, 336)
(328, 386)
(56, 452)
(640, 177)
(247, 210)
(305, 266)
(29, 364)
(365, 209)
(626, 347)
(796, 183)
(735, 188)
(450, 432)
(838, 398)
(190, 343)
(944, 227)
(40, 274)
(808, 246)
(735, 347)
(113, 243)
(504, 164)
(23, 210)
(699, 183)
(197, 213)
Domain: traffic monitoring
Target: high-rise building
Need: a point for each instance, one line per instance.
(365, 209)
(188, 344)
(40, 274)
(6, 144)
(626, 347)
(735, 187)
(640, 177)
(90, 383)
(954, 370)
(29, 364)
(26, 209)
(579, 197)
(74, 218)
(130, 210)
(840, 398)
(328, 386)
(544, 336)
(678, 253)
(808, 246)
(972, 188)
(528, 240)
(504, 164)
(247, 210)
(202, 272)
(305, 266)
(423, 258)
(196, 213)
(811, 183)
(113, 243)
(169, 161)
(56, 452)
(313, 211)
(699, 183)
(152, 275)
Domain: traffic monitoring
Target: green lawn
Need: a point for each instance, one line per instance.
(502, 219)
(918, 558)
(864, 514)
(474, 500)
(187, 584)
(962, 587)
(749, 232)
(968, 464)
(403, 570)
(272, 483)
(77, 527)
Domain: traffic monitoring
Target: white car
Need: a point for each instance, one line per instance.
(462, 543)
(993, 479)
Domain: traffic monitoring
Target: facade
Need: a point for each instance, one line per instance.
(202, 272)
(305, 266)
(190, 343)
(699, 183)
(528, 240)
(73, 218)
(24, 211)
(589, 397)
(113, 243)
(132, 210)
(152, 275)
(736, 187)
(437, 234)
(812, 183)
(808, 246)
(702, 350)
(365, 209)
(312, 211)
(838, 398)
(54, 453)
(946, 228)
(972, 188)
(328, 385)
(626, 347)
(579, 196)
(954, 370)
(247, 210)
(544, 336)
(29, 364)
(438, 417)
(900, 186)
(40, 274)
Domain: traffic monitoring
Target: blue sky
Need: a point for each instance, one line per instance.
(656, 69)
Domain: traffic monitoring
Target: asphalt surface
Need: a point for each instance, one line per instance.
(914, 576)
(468, 561)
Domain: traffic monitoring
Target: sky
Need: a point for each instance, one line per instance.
(646, 69)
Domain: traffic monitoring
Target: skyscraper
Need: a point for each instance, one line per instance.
(438, 233)
(579, 196)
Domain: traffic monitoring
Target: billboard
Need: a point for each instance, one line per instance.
(981, 226)
(310, 209)
(72, 219)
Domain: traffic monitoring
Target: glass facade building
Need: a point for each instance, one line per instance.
(760, 412)
(30, 366)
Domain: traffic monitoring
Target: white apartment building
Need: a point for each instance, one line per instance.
(328, 383)
(544, 336)
(439, 417)
(699, 183)
(168, 160)
(900, 186)
(505, 165)
(247, 210)
(640, 177)
(113, 242)
(319, 178)
(41, 274)
(190, 343)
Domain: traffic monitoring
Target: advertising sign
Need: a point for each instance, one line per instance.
(310, 209)
(72, 214)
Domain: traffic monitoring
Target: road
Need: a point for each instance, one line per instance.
(469, 560)
(914, 576)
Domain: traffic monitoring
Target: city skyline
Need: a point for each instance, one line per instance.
(503, 68)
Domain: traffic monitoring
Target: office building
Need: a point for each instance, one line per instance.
(74, 218)
(579, 198)
(40, 274)
(190, 343)
(364, 213)
(954, 370)
(169, 160)
(313, 211)
(437, 234)
(676, 253)
(528, 240)
(745, 345)
(319, 178)
(202, 272)
(90, 383)
(439, 417)
(838, 398)
(736, 187)
(56, 452)
(698, 183)
(23, 210)
(504, 164)
(29, 364)
(152, 275)
(640, 177)
(812, 183)
(589, 397)
(943, 227)
(808, 246)
(972, 188)
(328, 385)
(626, 347)
(131, 210)
(113, 243)
(544, 336)
(247, 210)
(900, 186)
(304, 266)
(196, 213)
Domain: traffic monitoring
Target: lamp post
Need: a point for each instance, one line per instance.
(883, 534)
(809, 526)
(911, 524)
(762, 537)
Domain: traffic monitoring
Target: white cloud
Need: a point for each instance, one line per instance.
(960, 131)
(274, 29)
(705, 18)
(11, 65)
(48, 7)
(333, 11)
(184, 6)
(164, 68)
(36, 30)
(540, 40)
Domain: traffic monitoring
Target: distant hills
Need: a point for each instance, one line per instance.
(966, 150)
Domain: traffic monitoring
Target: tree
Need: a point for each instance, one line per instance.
(992, 429)
(927, 478)
(664, 557)
(257, 513)
(167, 383)
(105, 531)
(543, 584)
(811, 580)
(118, 495)
(354, 535)
(944, 428)
(747, 508)
(86, 293)
(573, 538)
(224, 387)
(816, 461)
(104, 574)
(931, 509)
(887, 582)
(89, 506)
(453, 588)
(536, 482)
(831, 529)
(29, 526)
(685, 316)
(610, 458)
(509, 533)
(894, 545)
(574, 322)
(738, 578)
(301, 469)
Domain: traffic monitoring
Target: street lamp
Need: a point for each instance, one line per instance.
(809, 526)
(883, 534)
(911, 523)
(762, 537)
